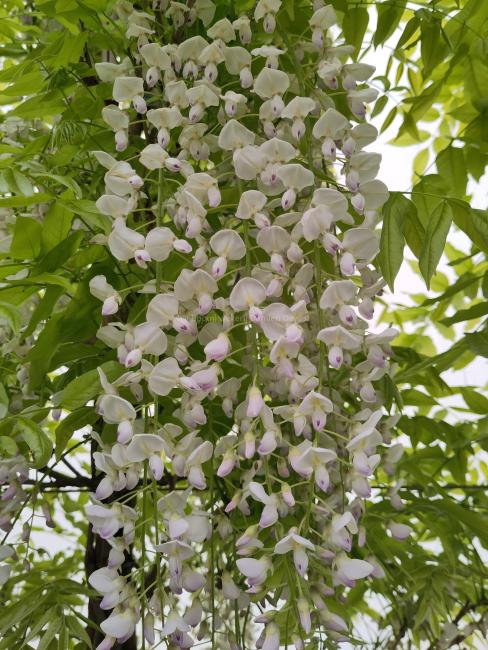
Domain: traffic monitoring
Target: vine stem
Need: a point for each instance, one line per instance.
(159, 221)
(318, 284)
(143, 555)
(212, 557)
(251, 333)
(159, 275)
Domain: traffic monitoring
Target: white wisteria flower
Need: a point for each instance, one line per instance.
(249, 404)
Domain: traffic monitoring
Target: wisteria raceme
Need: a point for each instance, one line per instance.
(251, 400)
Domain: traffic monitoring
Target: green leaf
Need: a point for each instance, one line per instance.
(379, 105)
(427, 194)
(409, 30)
(56, 226)
(477, 402)
(72, 47)
(452, 167)
(84, 388)
(389, 119)
(42, 105)
(459, 286)
(484, 285)
(78, 630)
(88, 212)
(473, 222)
(478, 343)
(417, 398)
(476, 311)
(392, 243)
(41, 352)
(7, 446)
(26, 242)
(44, 308)
(28, 84)
(66, 181)
(389, 15)
(71, 423)
(435, 240)
(354, 26)
(16, 613)
(52, 630)
(469, 518)
(422, 103)
(477, 82)
(17, 183)
(4, 401)
(12, 315)
(36, 439)
(57, 256)
(413, 230)
(420, 161)
(432, 46)
(19, 201)
(43, 279)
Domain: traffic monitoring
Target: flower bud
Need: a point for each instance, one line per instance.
(104, 489)
(110, 306)
(335, 356)
(121, 140)
(269, 23)
(347, 264)
(156, 466)
(329, 149)
(139, 104)
(124, 432)
(255, 402)
(304, 614)
(399, 531)
(227, 464)
(288, 199)
(255, 314)
(152, 77)
(246, 78)
(366, 308)
(133, 358)
(287, 495)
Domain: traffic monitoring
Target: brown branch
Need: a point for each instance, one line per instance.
(59, 480)
(393, 643)
(96, 557)
(463, 634)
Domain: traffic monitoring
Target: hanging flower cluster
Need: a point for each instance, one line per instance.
(252, 382)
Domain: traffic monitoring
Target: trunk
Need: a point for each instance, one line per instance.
(96, 556)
